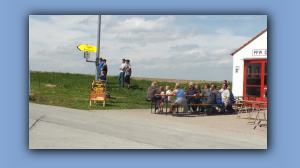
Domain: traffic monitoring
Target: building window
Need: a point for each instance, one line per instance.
(255, 79)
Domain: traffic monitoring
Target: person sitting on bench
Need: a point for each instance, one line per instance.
(232, 101)
(180, 98)
(198, 100)
(152, 90)
(225, 97)
(208, 94)
(217, 94)
(190, 100)
(210, 98)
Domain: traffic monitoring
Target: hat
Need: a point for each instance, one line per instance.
(127, 60)
(104, 60)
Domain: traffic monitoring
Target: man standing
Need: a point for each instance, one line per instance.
(100, 66)
(127, 73)
(225, 97)
(122, 72)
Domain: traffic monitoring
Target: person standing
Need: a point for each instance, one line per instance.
(127, 73)
(122, 73)
(100, 66)
(130, 68)
(104, 68)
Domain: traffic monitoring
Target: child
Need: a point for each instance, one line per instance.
(161, 106)
(168, 88)
(103, 75)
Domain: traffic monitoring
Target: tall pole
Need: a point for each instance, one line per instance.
(98, 48)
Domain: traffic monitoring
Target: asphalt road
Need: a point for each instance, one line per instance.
(53, 127)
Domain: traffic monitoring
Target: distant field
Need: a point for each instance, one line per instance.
(73, 90)
(156, 79)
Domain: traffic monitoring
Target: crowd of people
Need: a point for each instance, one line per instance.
(212, 94)
(125, 71)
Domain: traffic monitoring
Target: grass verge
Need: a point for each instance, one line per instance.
(73, 91)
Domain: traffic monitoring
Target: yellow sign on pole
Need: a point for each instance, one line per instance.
(87, 48)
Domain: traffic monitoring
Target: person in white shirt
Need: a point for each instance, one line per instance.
(122, 72)
(161, 106)
(168, 88)
(228, 87)
(225, 97)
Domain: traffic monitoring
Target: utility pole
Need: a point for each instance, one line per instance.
(98, 48)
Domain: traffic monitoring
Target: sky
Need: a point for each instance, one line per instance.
(192, 47)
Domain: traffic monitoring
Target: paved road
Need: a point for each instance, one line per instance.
(53, 127)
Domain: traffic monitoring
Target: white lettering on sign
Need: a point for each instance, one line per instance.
(259, 52)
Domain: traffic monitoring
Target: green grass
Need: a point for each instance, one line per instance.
(73, 91)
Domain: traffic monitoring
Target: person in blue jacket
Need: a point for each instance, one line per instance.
(100, 66)
(179, 93)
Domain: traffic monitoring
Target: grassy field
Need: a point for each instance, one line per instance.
(73, 91)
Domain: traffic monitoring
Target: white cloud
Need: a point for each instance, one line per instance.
(184, 47)
(140, 31)
(126, 47)
(157, 46)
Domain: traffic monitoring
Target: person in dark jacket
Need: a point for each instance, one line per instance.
(191, 91)
(103, 75)
(104, 67)
(210, 98)
(152, 90)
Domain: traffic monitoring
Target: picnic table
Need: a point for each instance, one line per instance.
(256, 105)
(205, 105)
(166, 100)
(253, 97)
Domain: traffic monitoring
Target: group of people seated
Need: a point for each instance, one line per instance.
(193, 95)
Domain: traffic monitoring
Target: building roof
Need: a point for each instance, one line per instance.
(248, 42)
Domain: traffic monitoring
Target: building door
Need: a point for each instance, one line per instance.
(255, 79)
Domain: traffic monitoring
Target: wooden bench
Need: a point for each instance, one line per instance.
(154, 103)
(204, 105)
(206, 109)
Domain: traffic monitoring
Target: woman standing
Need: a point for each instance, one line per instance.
(127, 73)
(104, 68)
(179, 93)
